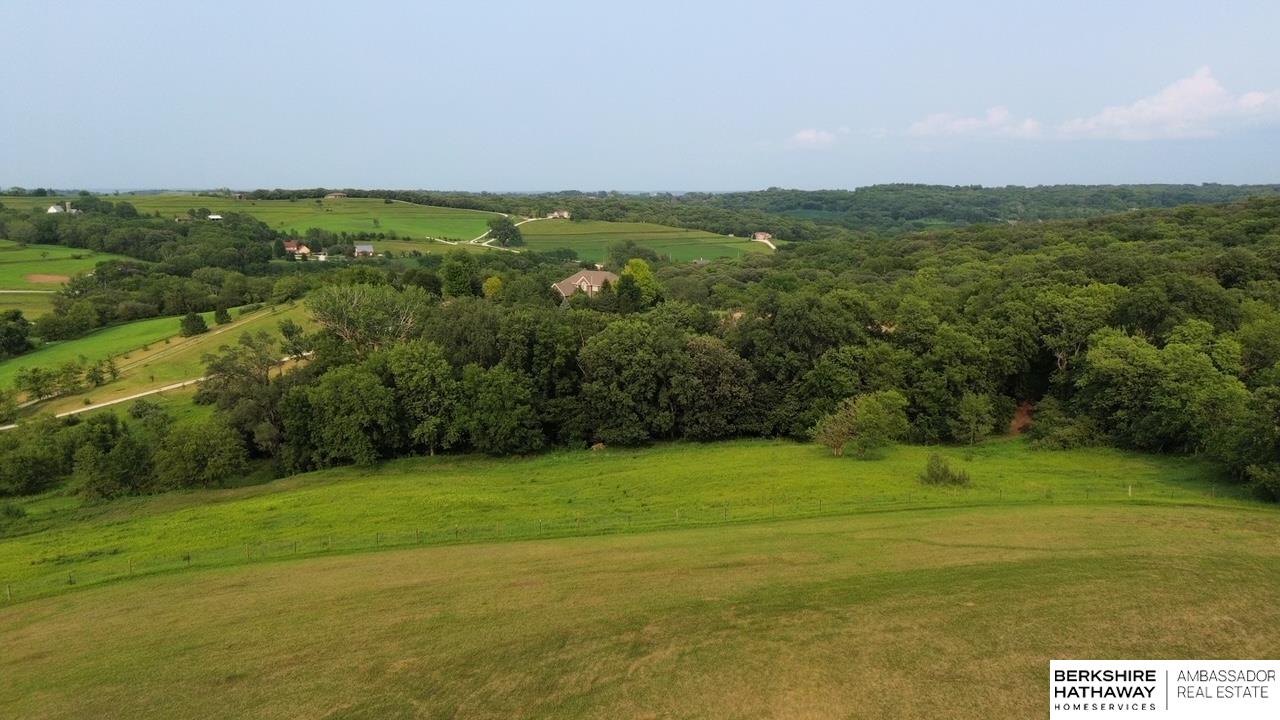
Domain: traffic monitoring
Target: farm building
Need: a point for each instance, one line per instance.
(214, 218)
(335, 195)
(364, 251)
(560, 214)
(587, 281)
(293, 247)
(761, 235)
(63, 208)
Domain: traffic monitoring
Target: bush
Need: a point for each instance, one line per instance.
(9, 511)
(193, 324)
(1053, 428)
(938, 472)
(249, 308)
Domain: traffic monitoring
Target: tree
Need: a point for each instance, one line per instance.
(426, 394)
(37, 382)
(294, 341)
(369, 317)
(504, 231)
(640, 271)
(203, 453)
(492, 287)
(497, 412)
(15, 332)
(625, 383)
(221, 316)
(353, 417)
(458, 274)
(867, 423)
(973, 418)
(712, 390)
(193, 324)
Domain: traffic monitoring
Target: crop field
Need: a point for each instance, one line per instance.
(32, 304)
(174, 359)
(779, 608)
(351, 215)
(591, 239)
(43, 267)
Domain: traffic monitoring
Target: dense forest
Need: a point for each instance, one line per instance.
(1157, 330)
(812, 214)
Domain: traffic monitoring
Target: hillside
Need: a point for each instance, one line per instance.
(591, 239)
(700, 615)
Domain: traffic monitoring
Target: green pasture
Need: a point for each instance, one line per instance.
(174, 359)
(591, 239)
(454, 499)
(43, 267)
(32, 304)
(952, 612)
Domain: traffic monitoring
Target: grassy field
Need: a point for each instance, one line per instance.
(352, 215)
(953, 601)
(43, 267)
(32, 304)
(175, 358)
(452, 499)
(591, 239)
(97, 345)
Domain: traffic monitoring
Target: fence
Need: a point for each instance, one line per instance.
(110, 564)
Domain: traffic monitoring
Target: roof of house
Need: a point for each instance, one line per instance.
(215, 217)
(592, 278)
(364, 248)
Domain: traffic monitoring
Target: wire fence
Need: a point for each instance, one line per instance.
(52, 575)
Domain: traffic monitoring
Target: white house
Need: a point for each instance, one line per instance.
(560, 214)
(215, 217)
(364, 251)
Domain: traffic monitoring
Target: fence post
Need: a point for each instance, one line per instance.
(1131, 490)
(8, 593)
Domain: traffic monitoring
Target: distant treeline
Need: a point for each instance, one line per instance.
(897, 207)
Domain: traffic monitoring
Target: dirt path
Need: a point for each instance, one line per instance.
(117, 401)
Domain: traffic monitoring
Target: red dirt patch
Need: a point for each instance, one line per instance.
(43, 278)
(1022, 418)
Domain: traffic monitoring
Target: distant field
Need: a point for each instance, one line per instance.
(743, 597)
(43, 267)
(352, 215)
(174, 358)
(591, 239)
(32, 304)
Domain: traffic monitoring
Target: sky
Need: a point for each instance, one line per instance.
(678, 96)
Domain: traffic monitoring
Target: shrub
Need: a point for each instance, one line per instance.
(938, 472)
(1054, 428)
(193, 324)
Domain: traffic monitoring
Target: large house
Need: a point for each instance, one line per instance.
(295, 248)
(560, 214)
(587, 281)
(761, 236)
(364, 251)
(335, 196)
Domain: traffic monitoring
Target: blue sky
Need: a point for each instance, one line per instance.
(647, 96)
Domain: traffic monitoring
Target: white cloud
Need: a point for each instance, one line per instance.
(1195, 106)
(811, 138)
(997, 122)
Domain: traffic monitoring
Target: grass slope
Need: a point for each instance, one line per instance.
(97, 345)
(43, 267)
(591, 239)
(941, 613)
(176, 359)
(465, 499)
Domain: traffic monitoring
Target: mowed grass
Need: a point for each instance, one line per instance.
(32, 304)
(175, 358)
(43, 267)
(470, 499)
(950, 613)
(350, 215)
(97, 345)
(591, 239)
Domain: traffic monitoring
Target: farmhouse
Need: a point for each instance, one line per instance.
(293, 247)
(587, 281)
(560, 214)
(761, 235)
(334, 195)
(63, 208)
(364, 251)
(214, 218)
